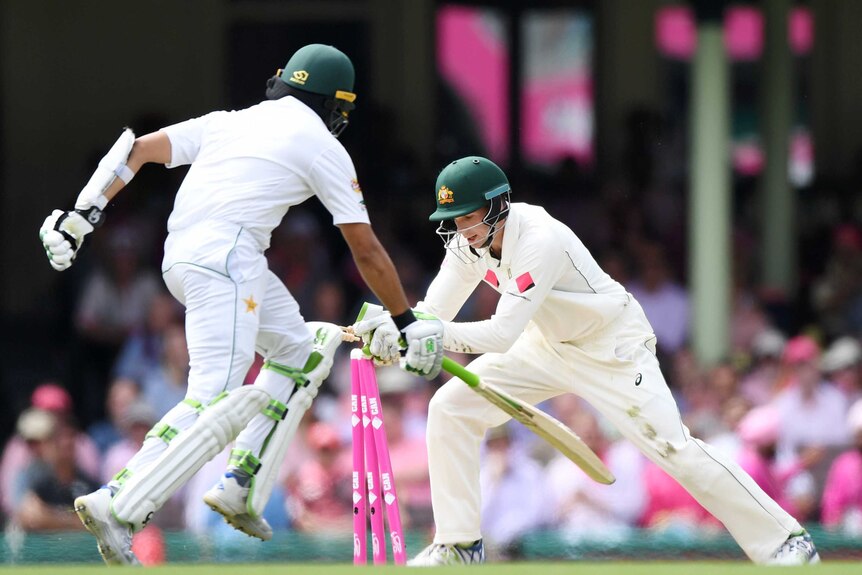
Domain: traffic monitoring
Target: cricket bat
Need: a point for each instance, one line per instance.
(551, 430)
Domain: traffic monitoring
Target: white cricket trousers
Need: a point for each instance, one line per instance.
(228, 318)
(618, 374)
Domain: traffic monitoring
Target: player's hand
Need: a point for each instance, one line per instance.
(379, 334)
(424, 339)
(62, 235)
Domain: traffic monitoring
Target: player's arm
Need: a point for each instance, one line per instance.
(63, 232)
(154, 148)
(450, 288)
(537, 267)
(423, 335)
(376, 266)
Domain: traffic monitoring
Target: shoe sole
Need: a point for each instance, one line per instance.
(92, 525)
(232, 519)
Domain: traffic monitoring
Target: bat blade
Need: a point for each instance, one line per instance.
(542, 424)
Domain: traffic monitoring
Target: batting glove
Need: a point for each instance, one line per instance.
(379, 334)
(62, 234)
(424, 339)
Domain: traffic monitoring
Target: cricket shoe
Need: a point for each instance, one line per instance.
(113, 538)
(449, 554)
(229, 499)
(799, 549)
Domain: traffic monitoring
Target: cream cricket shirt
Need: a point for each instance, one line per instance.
(546, 276)
(248, 168)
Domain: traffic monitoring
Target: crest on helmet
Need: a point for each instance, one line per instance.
(300, 77)
(445, 196)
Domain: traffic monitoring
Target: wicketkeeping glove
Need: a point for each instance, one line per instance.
(63, 234)
(378, 332)
(424, 338)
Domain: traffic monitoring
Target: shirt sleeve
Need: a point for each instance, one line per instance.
(333, 179)
(450, 289)
(186, 138)
(536, 267)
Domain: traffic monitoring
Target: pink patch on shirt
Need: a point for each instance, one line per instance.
(525, 282)
(491, 278)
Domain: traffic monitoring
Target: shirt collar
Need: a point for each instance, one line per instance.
(510, 237)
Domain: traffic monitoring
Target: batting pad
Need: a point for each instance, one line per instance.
(327, 338)
(219, 424)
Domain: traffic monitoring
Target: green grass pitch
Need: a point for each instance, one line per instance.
(561, 568)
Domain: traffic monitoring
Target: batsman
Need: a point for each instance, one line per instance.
(562, 325)
(248, 167)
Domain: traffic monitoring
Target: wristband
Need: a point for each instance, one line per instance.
(403, 320)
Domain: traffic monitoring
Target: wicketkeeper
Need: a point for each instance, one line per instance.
(248, 167)
(562, 325)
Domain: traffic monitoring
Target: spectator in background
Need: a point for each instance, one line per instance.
(113, 303)
(507, 477)
(584, 510)
(121, 394)
(53, 480)
(841, 364)
(759, 384)
(671, 509)
(726, 439)
(812, 410)
(320, 493)
(142, 350)
(165, 386)
(842, 493)
(706, 402)
(298, 255)
(17, 454)
(134, 421)
(759, 432)
(664, 301)
(837, 293)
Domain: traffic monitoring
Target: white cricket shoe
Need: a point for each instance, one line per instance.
(228, 498)
(449, 554)
(113, 538)
(799, 549)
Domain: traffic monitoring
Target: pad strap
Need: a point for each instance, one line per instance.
(275, 410)
(245, 460)
(296, 374)
(163, 431)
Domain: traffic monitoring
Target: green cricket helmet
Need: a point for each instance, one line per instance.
(324, 71)
(465, 186)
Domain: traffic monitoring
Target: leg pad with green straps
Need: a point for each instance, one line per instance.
(220, 422)
(327, 338)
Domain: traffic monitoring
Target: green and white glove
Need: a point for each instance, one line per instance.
(378, 332)
(424, 339)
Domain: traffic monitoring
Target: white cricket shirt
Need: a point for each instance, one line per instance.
(546, 276)
(248, 167)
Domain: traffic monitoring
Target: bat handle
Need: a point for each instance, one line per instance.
(453, 367)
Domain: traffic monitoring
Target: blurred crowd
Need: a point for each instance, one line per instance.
(786, 403)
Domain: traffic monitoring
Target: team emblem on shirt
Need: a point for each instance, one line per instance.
(524, 282)
(299, 77)
(250, 304)
(445, 196)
